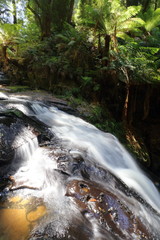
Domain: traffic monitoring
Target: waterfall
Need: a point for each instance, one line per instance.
(26, 150)
(99, 149)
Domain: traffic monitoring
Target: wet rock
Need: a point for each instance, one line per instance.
(112, 213)
(69, 164)
(15, 132)
(63, 106)
(82, 199)
(4, 182)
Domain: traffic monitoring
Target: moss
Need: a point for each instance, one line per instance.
(18, 88)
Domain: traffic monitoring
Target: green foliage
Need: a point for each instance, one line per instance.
(9, 31)
(151, 19)
(66, 55)
(109, 17)
(49, 15)
(102, 119)
(18, 88)
(10, 37)
(86, 80)
(140, 62)
(68, 52)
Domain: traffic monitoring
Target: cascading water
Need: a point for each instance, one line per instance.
(102, 148)
(97, 153)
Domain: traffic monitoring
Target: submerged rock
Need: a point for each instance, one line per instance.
(18, 216)
(76, 198)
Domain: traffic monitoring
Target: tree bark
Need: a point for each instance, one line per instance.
(106, 49)
(126, 101)
(36, 15)
(125, 108)
(71, 7)
(114, 39)
(4, 52)
(14, 12)
(44, 19)
(145, 5)
(146, 105)
(99, 45)
(156, 4)
(46, 26)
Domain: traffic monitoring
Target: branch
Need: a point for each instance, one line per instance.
(35, 13)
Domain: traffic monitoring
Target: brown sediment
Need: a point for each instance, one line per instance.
(34, 215)
(19, 216)
(14, 224)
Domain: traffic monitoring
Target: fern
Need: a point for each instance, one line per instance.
(151, 19)
(110, 17)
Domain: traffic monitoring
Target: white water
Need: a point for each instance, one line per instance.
(25, 152)
(79, 138)
(100, 147)
(3, 96)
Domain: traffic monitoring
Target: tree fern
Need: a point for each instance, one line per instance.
(153, 21)
(9, 36)
(110, 18)
(151, 18)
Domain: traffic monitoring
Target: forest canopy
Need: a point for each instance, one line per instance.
(92, 44)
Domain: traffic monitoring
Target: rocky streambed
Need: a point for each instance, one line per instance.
(61, 178)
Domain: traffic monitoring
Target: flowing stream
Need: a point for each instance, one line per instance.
(46, 171)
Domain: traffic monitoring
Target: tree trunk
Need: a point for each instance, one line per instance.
(125, 107)
(145, 5)
(156, 4)
(4, 52)
(46, 27)
(146, 105)
(106, 49)
(70, 12)
(126, 102)
(99, 46)
(114, 39)
(14, 12)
